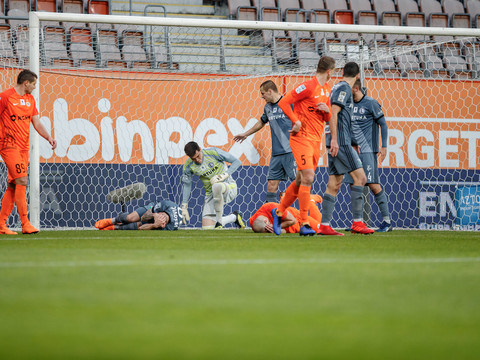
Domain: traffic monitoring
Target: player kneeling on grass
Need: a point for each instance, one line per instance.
(220, 188)
(164, 215)
(290, 222)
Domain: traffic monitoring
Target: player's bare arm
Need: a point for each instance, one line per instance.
(148, 216)
(333, 130)
(240, 137)
(382, 154)
(296, 127)
(323, 107)
(288, 221)
(43, 132)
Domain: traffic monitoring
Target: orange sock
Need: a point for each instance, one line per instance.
(304, 202)
(289, 198)
(21, 202)
(314, 212)
(8, 202)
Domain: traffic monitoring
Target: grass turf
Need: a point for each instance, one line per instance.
(237, 295)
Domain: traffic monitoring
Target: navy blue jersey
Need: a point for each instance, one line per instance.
(280, 124)
(342, 96)
(173, 212)
(367, 117)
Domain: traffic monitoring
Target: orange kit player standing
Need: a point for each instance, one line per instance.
(311, 102)
(17, 111)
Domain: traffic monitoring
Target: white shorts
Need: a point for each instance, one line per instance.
(229, 195)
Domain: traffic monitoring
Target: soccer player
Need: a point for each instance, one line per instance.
(311, 101)
(343, 154)
(17, 111)
(164, 215)
(367, 118)
(282, 163)
(262, 220)
(220, 188)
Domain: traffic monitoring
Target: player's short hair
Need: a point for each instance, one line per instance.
(325, 63)
(268, 85)
(358, 84)
(351, 69)
(191, 148)
(26, 75)
(258, 225)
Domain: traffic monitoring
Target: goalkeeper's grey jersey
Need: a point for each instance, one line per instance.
(173, 211)
(367, 117)
(280, 124)
(213, 163)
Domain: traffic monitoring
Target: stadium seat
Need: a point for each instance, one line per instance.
(431, 62)
(310, 5)
(472, 56)
(456, 13)
(361, 7)
(454, 61)
(440, 20)
(54, 44)
(108, 48)
(80, 42)
(48, 6)
(432, 10)
(393, 19)
(7, 56)
(75, 7)
(286, 6)
(297, 15)
(339, 11)
(17, 13)
(409, 65)
(242, 10)
(407, 8)
(271, 14)
(368, 18)
(416, 20)
(383, 60)
(133, 50)
(383, 8)
(262, 5)
(22, 44)
(24, 5)
(322, 16)
(473, 8)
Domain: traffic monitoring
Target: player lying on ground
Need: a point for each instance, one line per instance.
(164, 215)
(262, 220)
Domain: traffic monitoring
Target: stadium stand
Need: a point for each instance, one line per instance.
(107, 42)
(242, 10)
(133, 49)
(7, 55)
(80, 40)
(75, 7)
(54, 46)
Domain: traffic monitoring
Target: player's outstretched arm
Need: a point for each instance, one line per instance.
(234, 162)
(240, 137)
(43, 132)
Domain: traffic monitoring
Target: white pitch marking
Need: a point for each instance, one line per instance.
(189, 262)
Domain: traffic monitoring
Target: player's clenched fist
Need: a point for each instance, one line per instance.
(219, 178)
(185, 215)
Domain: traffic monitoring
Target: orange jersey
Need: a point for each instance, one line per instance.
(16, 113)
(264, 210)
(305, 98)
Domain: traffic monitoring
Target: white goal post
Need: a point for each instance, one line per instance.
(432, 205)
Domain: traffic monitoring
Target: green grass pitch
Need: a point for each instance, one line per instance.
(195, 294)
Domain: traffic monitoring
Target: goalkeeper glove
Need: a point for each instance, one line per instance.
(219, 178)
(185, 215)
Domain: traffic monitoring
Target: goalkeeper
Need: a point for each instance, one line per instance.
(220, 188)
(164, 215)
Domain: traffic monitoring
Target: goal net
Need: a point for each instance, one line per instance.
(123, 95)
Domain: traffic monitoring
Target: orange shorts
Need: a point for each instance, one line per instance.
(306, 152)
(16, 161)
